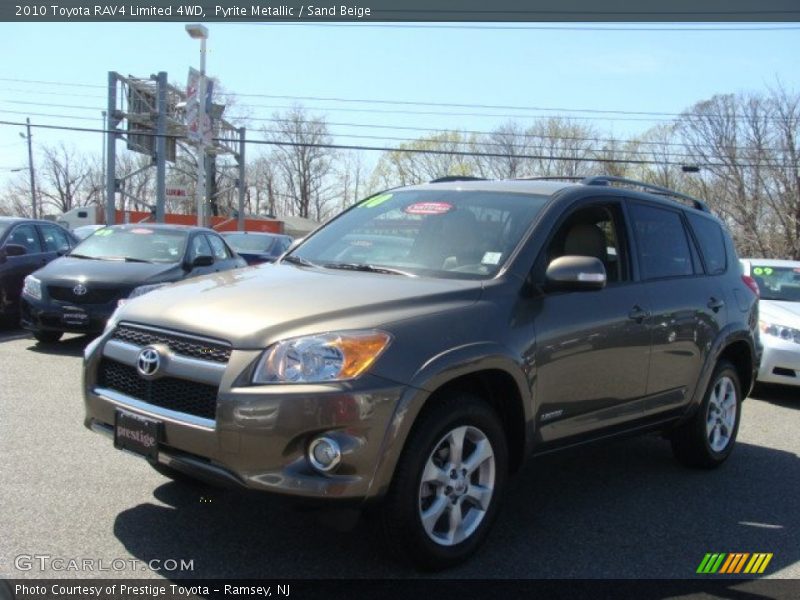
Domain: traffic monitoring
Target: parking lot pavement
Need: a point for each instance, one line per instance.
(620, 510)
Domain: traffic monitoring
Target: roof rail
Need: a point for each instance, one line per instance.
(449, 178)
(552, 178)
(656, 189)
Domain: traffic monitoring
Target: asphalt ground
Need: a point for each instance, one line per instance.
(623, 509)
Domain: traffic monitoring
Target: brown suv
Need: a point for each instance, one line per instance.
(414, 351)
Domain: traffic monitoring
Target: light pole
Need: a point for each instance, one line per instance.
(197, 31)
(30, 166)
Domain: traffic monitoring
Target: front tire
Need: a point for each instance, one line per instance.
(708, 438)
(47, 337)
(448, 484)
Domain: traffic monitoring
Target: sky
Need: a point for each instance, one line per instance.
(550, 70)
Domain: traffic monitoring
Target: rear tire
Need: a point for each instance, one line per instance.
(47, 337)
(708, 438)
(448, 484)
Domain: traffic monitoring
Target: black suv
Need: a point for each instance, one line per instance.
(416, 349)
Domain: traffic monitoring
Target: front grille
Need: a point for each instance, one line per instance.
(92, 295)
(198, 399)
(184, 346)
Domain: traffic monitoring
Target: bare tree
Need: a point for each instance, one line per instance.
(62, 174)
(748, 148)
(302, 162)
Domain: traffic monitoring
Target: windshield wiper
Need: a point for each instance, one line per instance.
(367, 268)
(298, 260)
(138, 260)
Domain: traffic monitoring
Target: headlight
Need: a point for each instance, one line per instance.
(320, 358)
(787, 334)
(140, 291)
(32, 287)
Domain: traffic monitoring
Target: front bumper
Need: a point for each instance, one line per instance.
(259, 434)
(44, 315)
(780, 362)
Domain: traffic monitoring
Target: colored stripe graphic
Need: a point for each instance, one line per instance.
(735, 562)
(758, 563)
(732, 563)
(711, 562)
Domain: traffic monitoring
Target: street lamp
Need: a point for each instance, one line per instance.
(199, 32)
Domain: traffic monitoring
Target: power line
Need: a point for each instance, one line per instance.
(531, 139)
(398, 103)
(524, 135)
(51, 105)
(36, 114)
(85, 85)
(408, 150)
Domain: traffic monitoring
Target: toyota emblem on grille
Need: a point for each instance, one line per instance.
(80, 290)
(148, 362)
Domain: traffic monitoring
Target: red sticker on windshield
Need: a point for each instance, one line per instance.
(429, 208)
(141, 231)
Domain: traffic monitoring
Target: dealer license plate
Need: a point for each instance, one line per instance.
(137, 434)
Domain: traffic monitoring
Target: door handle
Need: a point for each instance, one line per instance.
(638, 314)
(715, 304)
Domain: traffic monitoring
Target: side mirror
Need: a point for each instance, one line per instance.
(204, 260)
(575, 273)
(15, 250)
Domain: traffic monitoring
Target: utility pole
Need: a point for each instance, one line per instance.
(30, 168)
(103, 163)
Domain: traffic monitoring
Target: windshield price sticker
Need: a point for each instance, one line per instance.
(762, 271)
(376, 201)
(429, 208)
(141, 231)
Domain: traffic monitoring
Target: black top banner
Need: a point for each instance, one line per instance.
(663, 11)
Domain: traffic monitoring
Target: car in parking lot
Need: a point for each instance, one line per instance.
(78, 292)
(518, 317)
(257, 248)
(25, 246)
(779, 318)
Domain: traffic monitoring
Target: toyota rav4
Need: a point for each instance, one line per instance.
(412, 353)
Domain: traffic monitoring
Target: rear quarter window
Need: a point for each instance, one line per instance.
(712, 243)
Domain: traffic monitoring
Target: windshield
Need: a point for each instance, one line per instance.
(778, 283)
(136, 244)
(250, 243)
(3, 228)
(434, 233)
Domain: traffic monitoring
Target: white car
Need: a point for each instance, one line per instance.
(779, 318)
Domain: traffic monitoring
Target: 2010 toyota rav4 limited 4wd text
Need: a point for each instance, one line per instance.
(414, 351)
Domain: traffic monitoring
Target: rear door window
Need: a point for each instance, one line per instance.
(662, 243)
(55, 238)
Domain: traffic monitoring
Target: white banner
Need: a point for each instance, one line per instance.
(194, 131)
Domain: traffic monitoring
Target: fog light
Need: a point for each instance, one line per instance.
(324, 454)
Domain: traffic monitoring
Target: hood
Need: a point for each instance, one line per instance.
(780, 312)
(255, 306)
(107, 272)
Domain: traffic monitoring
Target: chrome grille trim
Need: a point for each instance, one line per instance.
(191, 346)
